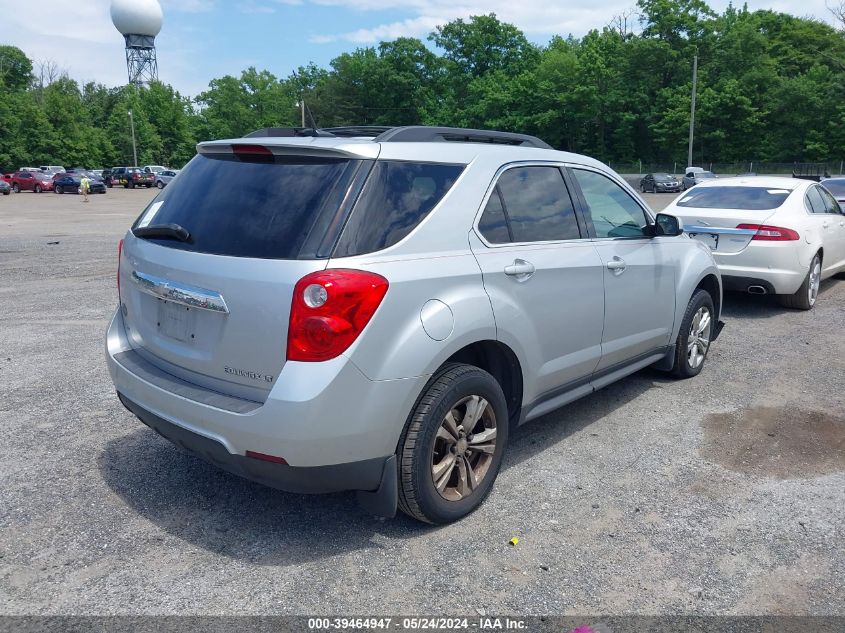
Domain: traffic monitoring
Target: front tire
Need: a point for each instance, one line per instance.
(37, 188)
(806, 296)
(451, 448)
(16, 188)
(59, 189)
(693, 341)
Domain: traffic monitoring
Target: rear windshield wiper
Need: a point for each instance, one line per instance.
(164, 231)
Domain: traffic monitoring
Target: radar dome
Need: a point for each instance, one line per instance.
(137, 17)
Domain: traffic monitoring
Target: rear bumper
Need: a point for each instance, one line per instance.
(317, 414)
(773, 265)
(362, 475)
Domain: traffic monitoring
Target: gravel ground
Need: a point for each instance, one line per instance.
(720, 495)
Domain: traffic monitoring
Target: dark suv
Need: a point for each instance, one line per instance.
(130, 177)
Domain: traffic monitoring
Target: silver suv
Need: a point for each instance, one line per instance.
(378, 309)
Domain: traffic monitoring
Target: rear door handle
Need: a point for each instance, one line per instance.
(825, 225)
(520, 269)
(617, 265)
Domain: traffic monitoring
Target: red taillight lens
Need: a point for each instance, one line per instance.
(119, 254)
(329, 310)
(251, 150)
(768, 233)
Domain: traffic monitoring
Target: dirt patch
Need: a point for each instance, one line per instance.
(784, 442)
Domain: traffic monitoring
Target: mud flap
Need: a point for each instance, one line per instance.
(384, 500)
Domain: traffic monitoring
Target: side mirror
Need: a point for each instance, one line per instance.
(668, 225)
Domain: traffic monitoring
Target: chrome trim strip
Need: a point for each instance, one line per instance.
(713, 230)
(191, 296)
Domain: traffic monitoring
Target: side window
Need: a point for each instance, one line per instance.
(612, 211)
(831, 205)
(397, 196)
(493, 224)
(536, 205)
(814, 201)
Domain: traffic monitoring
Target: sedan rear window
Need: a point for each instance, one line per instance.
(744, 198)
(262, 209)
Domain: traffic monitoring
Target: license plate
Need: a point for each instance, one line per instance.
(711, 239)
(175, 320)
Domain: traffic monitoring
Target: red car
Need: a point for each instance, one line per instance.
(7, 178)
(31, 181)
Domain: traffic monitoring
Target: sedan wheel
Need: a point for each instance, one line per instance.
(806, 296)
(59, 189)
(160, 185)
(16, 188)
(37, 188)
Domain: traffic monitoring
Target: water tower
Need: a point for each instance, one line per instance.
(139, 21)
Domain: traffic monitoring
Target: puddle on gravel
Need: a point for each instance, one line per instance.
(783, 442)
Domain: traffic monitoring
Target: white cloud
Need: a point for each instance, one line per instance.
(534, 17)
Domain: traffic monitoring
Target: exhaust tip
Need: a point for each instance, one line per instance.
(756, 290)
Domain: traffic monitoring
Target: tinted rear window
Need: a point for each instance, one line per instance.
(250, 209)
(395, 199)
(744, 198)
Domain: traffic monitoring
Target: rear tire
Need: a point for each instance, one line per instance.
(37, 188)
(60, 189)
(439, 445)
(806, 296)
(696, 333)
(16, 188)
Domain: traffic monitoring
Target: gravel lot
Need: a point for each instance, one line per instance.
(724, 494)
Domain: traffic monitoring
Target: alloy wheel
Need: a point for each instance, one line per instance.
(699, 337)
(815, 280)
(463, 448)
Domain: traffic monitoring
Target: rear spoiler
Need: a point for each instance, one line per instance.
(294, 146)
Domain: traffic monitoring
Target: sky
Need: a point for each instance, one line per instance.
(204, 39)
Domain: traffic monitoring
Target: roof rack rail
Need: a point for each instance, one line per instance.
(424, 134)
(287, 132)
(358, 130)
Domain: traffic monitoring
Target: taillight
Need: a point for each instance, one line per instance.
(329, 310)
(768, 233)
(252, 152)
(119, 254)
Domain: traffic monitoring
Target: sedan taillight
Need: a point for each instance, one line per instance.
(766, 233)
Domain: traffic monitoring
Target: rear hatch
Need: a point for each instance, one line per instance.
(718, 211)
(209, 267)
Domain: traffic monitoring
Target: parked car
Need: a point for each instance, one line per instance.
(5, 188)
(131, 177)
(52, 169)
(72, 183)
(36, 181)
(479, 280)
(695, 175)
(32, 169)
(7, 178)
(769, 235)
(836, 186)
(98, 173)
(656, 183)
(163, 178)
(106, 177)
(154, 169)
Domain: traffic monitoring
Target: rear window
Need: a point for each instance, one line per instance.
(260, 209)
(395, 199)
(744, 198)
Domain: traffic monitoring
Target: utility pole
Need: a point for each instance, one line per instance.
(134, 147)
(692, 107)
(302, 107)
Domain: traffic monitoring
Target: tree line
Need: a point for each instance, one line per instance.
(771, 87)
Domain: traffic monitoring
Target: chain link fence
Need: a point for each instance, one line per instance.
(831, 167)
